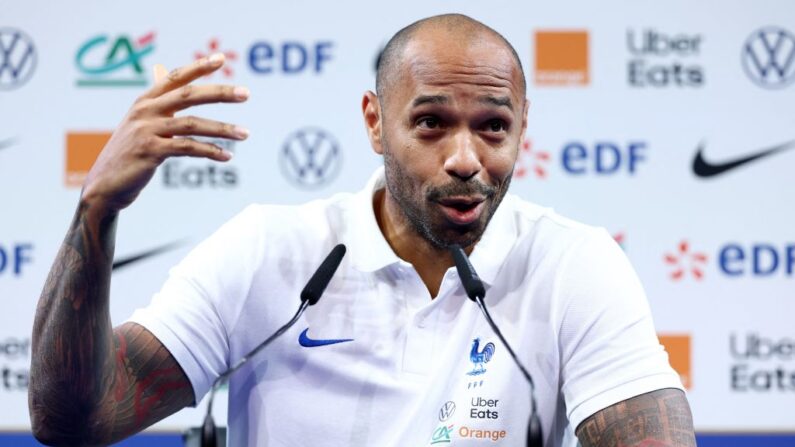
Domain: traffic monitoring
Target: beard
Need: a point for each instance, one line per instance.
(419, 207)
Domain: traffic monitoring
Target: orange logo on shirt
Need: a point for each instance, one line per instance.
(678, 348)
(82, 150)
(561, 58)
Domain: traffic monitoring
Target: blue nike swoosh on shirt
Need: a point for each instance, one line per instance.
(307, 342)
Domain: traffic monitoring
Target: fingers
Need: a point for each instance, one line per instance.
(191, 95)
(184, 75)
(160, 72)
(187, 147)
(193, 125)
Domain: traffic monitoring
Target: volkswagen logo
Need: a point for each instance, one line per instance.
(17, 58)
(769, 57)
(310, 158)
(447, 411)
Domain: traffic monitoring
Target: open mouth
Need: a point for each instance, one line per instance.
(462, 210)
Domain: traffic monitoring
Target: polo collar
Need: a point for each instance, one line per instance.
(367, 247)
(369, 250)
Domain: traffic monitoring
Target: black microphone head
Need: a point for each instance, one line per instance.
(317, 283)
(209, 436)
(472, 283)
(534, 437)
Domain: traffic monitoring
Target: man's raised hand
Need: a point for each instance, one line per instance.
(146, 136)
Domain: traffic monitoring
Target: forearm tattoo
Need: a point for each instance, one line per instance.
(89, 383)
(658, 419)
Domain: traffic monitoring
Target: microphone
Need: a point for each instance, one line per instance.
(309, 296)
(474, 289)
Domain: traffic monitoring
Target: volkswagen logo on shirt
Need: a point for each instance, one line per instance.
(310, 158)
(17, 58)
(769, 57)
(447, 411)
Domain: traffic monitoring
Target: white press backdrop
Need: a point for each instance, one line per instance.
(307, 64)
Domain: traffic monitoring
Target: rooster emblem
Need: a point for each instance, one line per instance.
(480, 357)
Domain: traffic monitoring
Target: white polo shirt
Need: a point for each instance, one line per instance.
(405, 369)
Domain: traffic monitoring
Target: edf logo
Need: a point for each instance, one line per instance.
(759, 260)
(289, 57)
(14, 257)
(603, 158)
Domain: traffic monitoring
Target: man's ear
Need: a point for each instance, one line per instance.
(524, 117)
(371, 109)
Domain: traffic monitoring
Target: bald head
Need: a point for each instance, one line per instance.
(458, 28)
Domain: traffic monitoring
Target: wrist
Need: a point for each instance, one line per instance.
(95, 207)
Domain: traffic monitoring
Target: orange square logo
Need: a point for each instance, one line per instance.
(82, 150)
(561, 58)
(678, 348)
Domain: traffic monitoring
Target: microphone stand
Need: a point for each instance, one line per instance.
(209, 433)
(309, 296)
(474, 289)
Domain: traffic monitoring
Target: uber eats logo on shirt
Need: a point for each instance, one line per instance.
(484, 408)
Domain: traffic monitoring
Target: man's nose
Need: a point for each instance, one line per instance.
(463, 160)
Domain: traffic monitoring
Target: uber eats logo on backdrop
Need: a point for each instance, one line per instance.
(185, 173)
(761, 363)
(659, 59)
(14, 361)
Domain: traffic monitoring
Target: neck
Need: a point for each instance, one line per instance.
(429, 261)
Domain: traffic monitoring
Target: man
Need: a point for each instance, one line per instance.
(404, 358)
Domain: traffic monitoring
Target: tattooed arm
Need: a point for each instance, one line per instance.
(91, 384)
(658, 419)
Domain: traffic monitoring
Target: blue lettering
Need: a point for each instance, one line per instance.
(293, 64)
(260, 57)
(19, 254)
(572, 153)
(15, 256)
(772, 265)
(635, 155)
(790, 259)
(321, 56)
(603, 150)
(732, 254)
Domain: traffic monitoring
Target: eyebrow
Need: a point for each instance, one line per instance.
(500, 101)
(430, 99)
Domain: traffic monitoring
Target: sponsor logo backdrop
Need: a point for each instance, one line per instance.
(669, 124)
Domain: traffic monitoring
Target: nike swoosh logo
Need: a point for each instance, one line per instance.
(127, 260)
(703, 168)
(7, 142)
(307, 342)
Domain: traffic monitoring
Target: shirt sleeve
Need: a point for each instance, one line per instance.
(609, 348)
(199, 304)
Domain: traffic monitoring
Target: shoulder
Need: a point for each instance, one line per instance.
(314, 220)
(548, 235)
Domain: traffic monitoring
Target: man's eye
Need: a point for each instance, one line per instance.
(428, 122)
(496, 125)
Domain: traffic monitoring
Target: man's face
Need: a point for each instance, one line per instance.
(452, 123)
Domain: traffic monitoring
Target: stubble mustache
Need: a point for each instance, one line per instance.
(461, 188)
